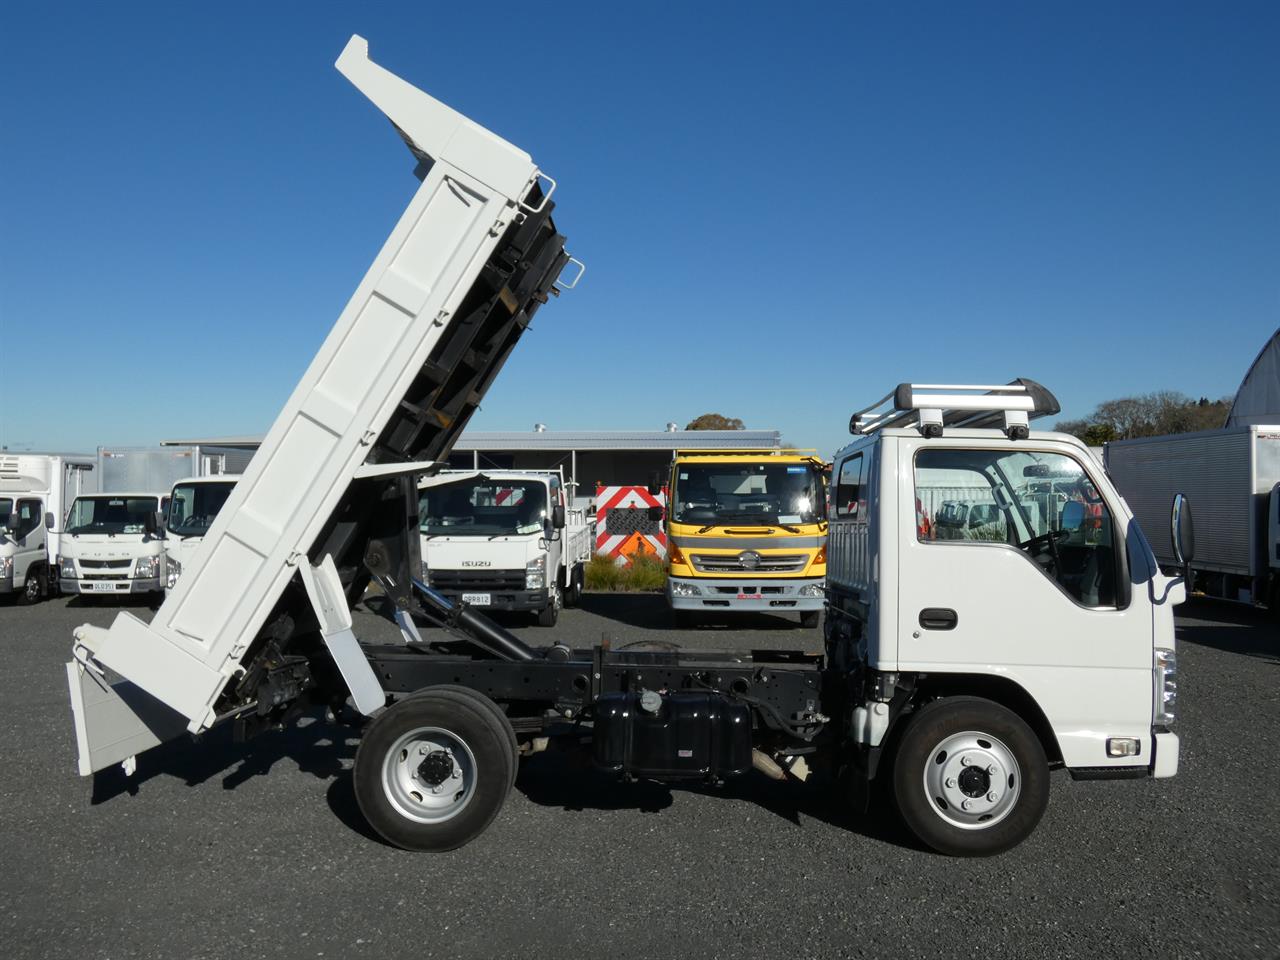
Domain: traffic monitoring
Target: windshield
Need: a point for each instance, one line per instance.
(718, 493)
(110, 515)
(483, 507)
(193, 506)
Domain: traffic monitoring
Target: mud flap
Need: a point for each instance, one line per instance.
(324, 589)
(116, 721)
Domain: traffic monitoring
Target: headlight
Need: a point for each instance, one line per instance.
(535, 574)
(173, 570)
(146, 567)
(810, 590)
(6, 568)
(1166, 671)
(681, 589)
(66, 568)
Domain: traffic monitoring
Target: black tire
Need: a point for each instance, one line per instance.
(810, 618)
(470, 719)
(35, 587)
(549, 614)
(576, 581)
(920, 755)
(499, 717)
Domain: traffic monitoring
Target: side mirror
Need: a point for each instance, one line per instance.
(655, 514)
(655, 483)
(1072, 515)
(48, 521)
(1182, 531)
(557, 516)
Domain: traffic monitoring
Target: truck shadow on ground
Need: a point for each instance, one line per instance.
(649, 611)
(1232, 628)
(564, 781)
(318, 747)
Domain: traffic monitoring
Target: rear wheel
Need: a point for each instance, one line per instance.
(433, 770)
(576, 584)
(970, 777)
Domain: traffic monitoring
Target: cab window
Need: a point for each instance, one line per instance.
(1043, 504)
(28, 516)
(850, 499)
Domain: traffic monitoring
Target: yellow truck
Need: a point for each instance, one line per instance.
(746, 531)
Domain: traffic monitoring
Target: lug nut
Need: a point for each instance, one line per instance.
(993, 796)
(965, 805)
(456, 773)
(964, 761)
(951, 783)
(991, 769)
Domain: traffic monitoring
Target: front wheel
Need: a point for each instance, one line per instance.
(35, 587)
(549, 614)
(970, 777)
(433, 770)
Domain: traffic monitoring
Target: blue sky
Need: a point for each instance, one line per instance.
(784, 209)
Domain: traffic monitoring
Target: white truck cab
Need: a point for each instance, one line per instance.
(112, 545)
(504, 540)
(1000, 607)
(34, 492)
(193, 505)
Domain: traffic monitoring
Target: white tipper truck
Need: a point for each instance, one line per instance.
(1232, 478)
(36, 489)
(504, 540)
(1046, 667)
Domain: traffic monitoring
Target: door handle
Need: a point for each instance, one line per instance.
(938, 618)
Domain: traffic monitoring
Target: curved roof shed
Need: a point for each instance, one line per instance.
(1258, 399)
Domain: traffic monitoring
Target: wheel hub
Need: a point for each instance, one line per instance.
(972, 780)
(435, 768)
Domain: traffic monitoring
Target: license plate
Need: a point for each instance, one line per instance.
(477, 599)
(751, 596)
(101, 587)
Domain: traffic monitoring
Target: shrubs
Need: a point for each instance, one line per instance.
(645, 572)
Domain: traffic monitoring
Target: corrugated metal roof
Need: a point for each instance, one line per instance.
(491, 441)
(1258, 399)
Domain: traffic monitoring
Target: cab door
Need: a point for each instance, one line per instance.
(30, 537)
(1013, 563)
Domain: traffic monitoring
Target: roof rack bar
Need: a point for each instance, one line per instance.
(934, 406)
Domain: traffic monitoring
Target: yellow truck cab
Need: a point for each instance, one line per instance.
(747, 531)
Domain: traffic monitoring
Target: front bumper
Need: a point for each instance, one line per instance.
(513, 600)
(764, 596)
(106, 588)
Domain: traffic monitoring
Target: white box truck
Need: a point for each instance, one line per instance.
(36, 490)
(1063, 634)
(193, 505)
(504, 540)
(112, 545)
(1232, 479)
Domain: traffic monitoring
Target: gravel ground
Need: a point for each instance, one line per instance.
(202, 855)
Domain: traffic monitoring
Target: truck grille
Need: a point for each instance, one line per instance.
(472, 581)
(742, 563)
(106, 564)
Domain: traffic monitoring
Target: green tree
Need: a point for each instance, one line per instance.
(714, 421)
(1147, 415)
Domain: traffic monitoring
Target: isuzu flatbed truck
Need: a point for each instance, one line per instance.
(258, 628)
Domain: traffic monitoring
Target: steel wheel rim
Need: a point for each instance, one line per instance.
(962, 775)
(415, 794)
(32, 586)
